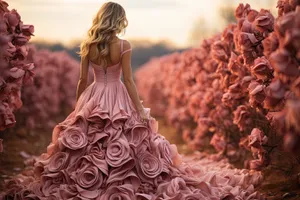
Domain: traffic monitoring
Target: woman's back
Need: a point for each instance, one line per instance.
(116, 49)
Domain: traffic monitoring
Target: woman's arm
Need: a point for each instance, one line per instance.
(128, 80)
(82, 83)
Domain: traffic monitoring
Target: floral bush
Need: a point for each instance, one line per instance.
(238, 90)
(52, 95)
(15, 69)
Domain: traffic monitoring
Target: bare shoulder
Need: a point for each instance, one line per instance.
(126, 44)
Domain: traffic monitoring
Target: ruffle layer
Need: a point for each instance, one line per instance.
(103, 151)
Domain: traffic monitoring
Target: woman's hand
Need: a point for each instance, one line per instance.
(143, 114)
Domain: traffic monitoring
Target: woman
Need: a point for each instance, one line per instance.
(108, 147)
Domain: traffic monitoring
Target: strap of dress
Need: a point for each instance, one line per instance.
(123, 52)
(121, 46)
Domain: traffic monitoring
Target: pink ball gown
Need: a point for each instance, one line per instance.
(103, 151)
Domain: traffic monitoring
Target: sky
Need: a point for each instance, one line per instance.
(68, 20)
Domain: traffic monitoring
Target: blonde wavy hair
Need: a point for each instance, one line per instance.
(109, 21)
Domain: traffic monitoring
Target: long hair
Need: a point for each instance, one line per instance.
(109, 21)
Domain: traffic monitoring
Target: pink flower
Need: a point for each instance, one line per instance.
(292, 118)
(274, 94)
(257, 138)
(252, 14)
(3, 7)
(283, 7)
(295, 87)
(73, 138)
(290, 142)
(11, 49)
(218, 142)
(7, 118)
(247, 40)
(120, 192)
(287, 22)
(242, 117)
(284, 65)
(256, 93)
(220, 51)
(264, 21)
(291, 36)
(27, 30)
(13, 18)
(235, 66)
(148, 166)
(262, 69)
(271, 43)
(21, 39)
(118, 152)
(242, 10)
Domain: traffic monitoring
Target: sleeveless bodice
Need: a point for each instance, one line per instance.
(106, 75)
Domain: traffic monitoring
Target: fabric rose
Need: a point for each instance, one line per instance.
(57, 162)
(148, 166)
(118, 152)
(52, 181)
(96, 132)
(88, 177)
(162, 148)
(121, 192)
(136, 135)
(67, 191)
(96, 155)
(73, 138)
(262, 69)
(175, 189)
